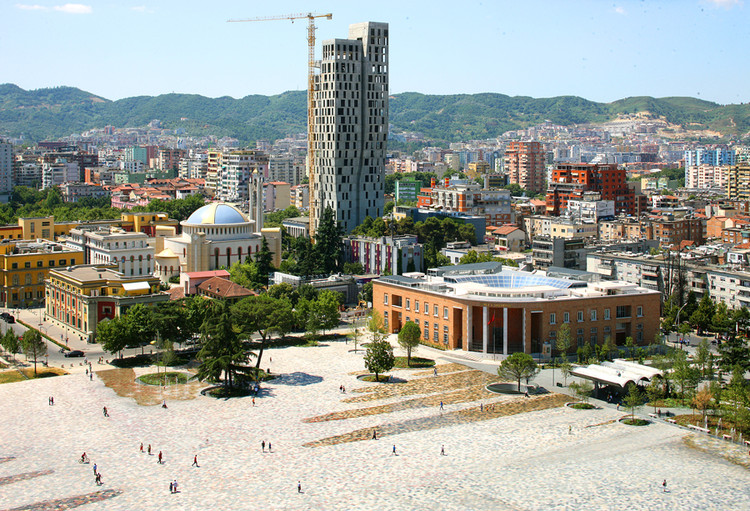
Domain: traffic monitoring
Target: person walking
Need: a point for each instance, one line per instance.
(51, 401)
(98, 479)
(105, 412)
(171, 487)
(441, 406)
(374, 434)
(299, 487)
(174, 486)
(141, 447)
(442, 450)
(160, 458)
(269, 447)
(91, 376)
(94, 468)
(263, 445)
(149, 449)
(434, 371)
(394, 450)
(253, 400)
(664, 486)
(195, 461)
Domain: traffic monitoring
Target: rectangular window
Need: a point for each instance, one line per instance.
(594, 339)
(639, 337)
(445, 312)
(408, 319)
(580, 316)
(416, 306)
(435, 333)
(623, 311)
(435, 311)
(639, 311)
(566, 317)
(593, 314)
(552, 318)
(14, 266)
(385, 298)
(445, 335)
(408, 304)
(426, 308)
(607, 315)
(426, 330)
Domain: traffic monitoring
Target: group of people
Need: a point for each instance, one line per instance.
(263, 446)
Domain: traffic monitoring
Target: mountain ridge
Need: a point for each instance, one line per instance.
(60, 111)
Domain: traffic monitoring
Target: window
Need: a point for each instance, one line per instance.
(435, 333)
(445, 335)
(408, 319)
(385, 320)
(639, 311)
(408, 304)
(426, 330)
(385, 298)
(639, 326)
(435, 310)
(592, 314)
(566, 317)
(27, 265)
(607, 315)
(639, 337)
(39, 264)
(15, 279)
(63, 262)
(580, 337)
(416, 306)
(623, 311)
(14, 266)
(51, 262)
(580, 316)
(445, 312)
(426, 308)
(607, 330)
(552, 318)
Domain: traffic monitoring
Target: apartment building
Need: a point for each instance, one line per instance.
(570, 181)
(524, 164)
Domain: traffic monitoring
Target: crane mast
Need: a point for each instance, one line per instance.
(310, 17)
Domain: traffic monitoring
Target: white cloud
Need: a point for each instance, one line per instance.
(727, 4)
(620, 10)
(31, 7)
(74, 8)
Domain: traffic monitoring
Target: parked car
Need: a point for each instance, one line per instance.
(7, 317)
(74, 353)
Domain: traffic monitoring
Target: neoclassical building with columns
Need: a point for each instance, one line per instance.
(489, 308)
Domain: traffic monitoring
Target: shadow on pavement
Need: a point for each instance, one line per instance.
(297, 379)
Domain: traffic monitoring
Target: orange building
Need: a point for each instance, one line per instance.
(525, 165)
(570, 180)
(485, 308)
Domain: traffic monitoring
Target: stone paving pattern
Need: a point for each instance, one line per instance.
(525, 461)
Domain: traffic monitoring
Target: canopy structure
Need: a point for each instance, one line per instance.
(619, 372)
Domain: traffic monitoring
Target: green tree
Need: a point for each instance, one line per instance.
(565, 368)
(140, 320)
(701, 357)
(606, 349)
(327, 306)
(562, 343)
(685, 375)
(654, 391)
(408, 338)
(734, 399)
(263, 263)
(355, 268)
(630, 344)
(367, 292)
(703, 315)
(114, 334)
(582, 390)
(262, 315)
(376, 326)
(34, 346)
(11, 343)
(329, 246)
(734, 351)
(222, 352)
(721, 321)
(379, 357)
(518, 366)
(633, 399)
(284, 290)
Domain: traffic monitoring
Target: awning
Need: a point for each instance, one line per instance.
(136, 286)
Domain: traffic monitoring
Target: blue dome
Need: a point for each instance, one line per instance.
(216, 213)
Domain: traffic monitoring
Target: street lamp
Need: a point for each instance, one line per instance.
(678, 320)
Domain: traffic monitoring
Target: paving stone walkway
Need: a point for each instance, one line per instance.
(547, 459)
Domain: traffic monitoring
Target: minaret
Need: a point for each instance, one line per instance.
(255, 199)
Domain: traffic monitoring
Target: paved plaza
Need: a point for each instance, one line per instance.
(552, 458)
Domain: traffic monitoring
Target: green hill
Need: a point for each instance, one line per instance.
(60, 111)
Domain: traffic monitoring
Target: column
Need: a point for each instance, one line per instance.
(469, 323)
(523, 328)
(485, 328)
(505, 330)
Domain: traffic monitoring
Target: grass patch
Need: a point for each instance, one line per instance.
(415, 362)
(164, 379)
(300, 342)
(668, 403)
(437, 346)
(382, 378)
(582, 406)
(226, 392)
(14, 376)
(635, 422)
(129, 362)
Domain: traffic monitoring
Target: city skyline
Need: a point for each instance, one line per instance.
(596, 50)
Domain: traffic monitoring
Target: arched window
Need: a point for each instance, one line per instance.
(216, 258)
(229, 257)
(239, 254)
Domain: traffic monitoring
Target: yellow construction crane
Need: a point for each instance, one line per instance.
(310, 17)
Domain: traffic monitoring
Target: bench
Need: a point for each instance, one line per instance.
(672, 421)
(652, 415)
(747, 443)
(698, 428)
(727, 437)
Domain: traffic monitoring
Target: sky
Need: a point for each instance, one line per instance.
(596, 49)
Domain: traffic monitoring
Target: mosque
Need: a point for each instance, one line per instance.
(215, 236)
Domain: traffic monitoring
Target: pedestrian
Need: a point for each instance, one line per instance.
(269, 446)
(87, 371)
(618, 407)
(195, 461)
(442, 450)
(299, 487)
(481, 407)
(149, 449)
(98, 479)
(91, 376)
(174, 486)
(374, 434)
(394, 451)
(171, 487)
(570, 429)
(526, 394)
(94, 468)
(341, 388)
(51, 400)
(263, 445)
(253, 400)
(664, 486)
(441, 406)
(434, 371)
(104, 411)
(160, 458)
(141, 447)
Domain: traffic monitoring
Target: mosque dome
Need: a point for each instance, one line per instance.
(216, 213)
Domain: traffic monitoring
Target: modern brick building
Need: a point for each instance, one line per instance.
(571, 180)
(490, 309)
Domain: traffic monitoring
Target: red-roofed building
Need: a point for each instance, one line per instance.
(223, 289)
(509, 237)
(189, 281)
(571, 180)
